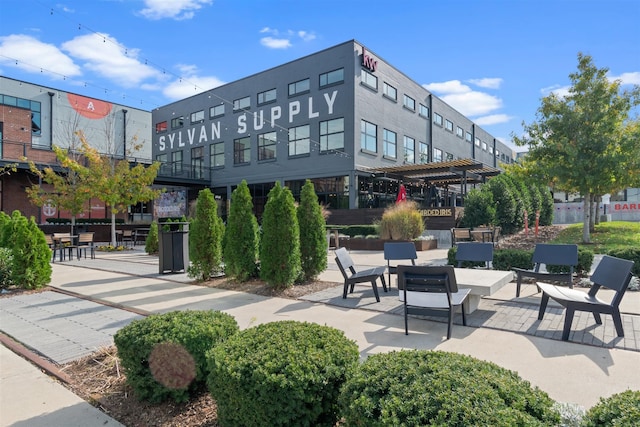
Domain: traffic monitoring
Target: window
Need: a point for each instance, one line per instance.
(423, 110)
(216, 111)
(448, 125)
(491, 150)
(437, 119)
(477, 142)
(497, 153)
(423, 152)
(335, 76)
(161, 127)
(409, 150)
(197, 117)
(368, 136)
(409, 103)
(369, 79)
(176, 162)
(242, 103)
(267, 146)
(242, 150)
(217, 155)
(332, 134)
(178, 122)
(299, 87)
(197, 162)
(34, 106)
(468, 137)
(459, 132)
(389, 143)
(437, 155)
(299, 140)
(389, 91)
(484, 146)
(266, 96)
(165, 168)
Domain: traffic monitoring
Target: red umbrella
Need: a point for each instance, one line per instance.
(402, 194)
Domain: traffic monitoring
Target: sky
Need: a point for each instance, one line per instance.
(492, 60)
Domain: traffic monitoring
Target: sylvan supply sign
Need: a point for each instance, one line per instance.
(265, 119)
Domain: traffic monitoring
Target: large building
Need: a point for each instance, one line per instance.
(34, 118)
(343, 117)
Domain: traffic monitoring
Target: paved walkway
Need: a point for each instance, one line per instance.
(568, 371)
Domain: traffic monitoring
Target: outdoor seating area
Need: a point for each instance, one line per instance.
(550, 254)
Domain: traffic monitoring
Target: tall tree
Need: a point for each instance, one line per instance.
(586, 141)
(313, 235)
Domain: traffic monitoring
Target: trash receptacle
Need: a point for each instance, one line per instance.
(173, 247)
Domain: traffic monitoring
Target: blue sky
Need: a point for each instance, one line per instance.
(492, 60)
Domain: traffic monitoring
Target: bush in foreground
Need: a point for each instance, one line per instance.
(418, 388)
(618, 410)
(281, 374)
(164, 355)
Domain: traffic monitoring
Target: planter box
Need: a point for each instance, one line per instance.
(378, 244)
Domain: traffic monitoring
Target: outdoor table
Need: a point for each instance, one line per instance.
(59, 242)
(481, 282)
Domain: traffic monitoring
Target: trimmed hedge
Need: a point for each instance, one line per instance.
(355, 230)
(436, 388)
(281, 374)
(619, 410)
(632, 254)
(173, 346)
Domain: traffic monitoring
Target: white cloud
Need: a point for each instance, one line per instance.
(31, 55)
(559, 91)
(628, 78)
(492, 119)
(467, 101)
(283, 39)
(173, 9)
(190, 84)
(273, 43)
(489, 83)
(105, 56)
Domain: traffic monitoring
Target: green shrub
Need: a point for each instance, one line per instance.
(313, 239)
(401, 221)
(479, 208)
(30, 265)
(356, 230)
(151, 243)
(280, 374)
(436, 388)
(280, 244)
(632, 254)
(6, 259)
(585, 261)
(618, 410)
(205, 238)
(507, 259)
(241, 236)
(187, 333)
(504, 203)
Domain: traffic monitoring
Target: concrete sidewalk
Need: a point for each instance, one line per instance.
(569, 372)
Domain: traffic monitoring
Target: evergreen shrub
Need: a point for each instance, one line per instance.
(507, 259)
(242, 236)
(479, 208)
(618, 410)
(281, 374)
(6, 260)
(436, 388)
(632, 254)
(313, 238)
(151, 245)
(401, 221)
(186, 336)
(205, 238)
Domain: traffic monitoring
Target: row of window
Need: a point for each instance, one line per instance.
(244, 103)
(369, 143)
(331, 138)
(390, 92)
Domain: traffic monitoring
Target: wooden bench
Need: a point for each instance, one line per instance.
(550, 254)
(351, 276)
(612, 273)
(399, 251)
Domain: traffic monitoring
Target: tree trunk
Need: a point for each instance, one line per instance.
(113, 229)
(596, 213)
(586, 238)
(592, 213)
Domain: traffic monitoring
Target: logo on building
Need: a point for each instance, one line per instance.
(368, 62)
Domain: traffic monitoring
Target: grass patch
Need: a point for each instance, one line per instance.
(607, 236)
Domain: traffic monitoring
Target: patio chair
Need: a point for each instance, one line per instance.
(351, 276)
(85, 241)
(550, 254)
(430, 291)
(460, 235)
(399, 251)
(475, 252)
(612, 273)
(128, 237)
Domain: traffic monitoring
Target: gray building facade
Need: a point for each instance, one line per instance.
(334, 117)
